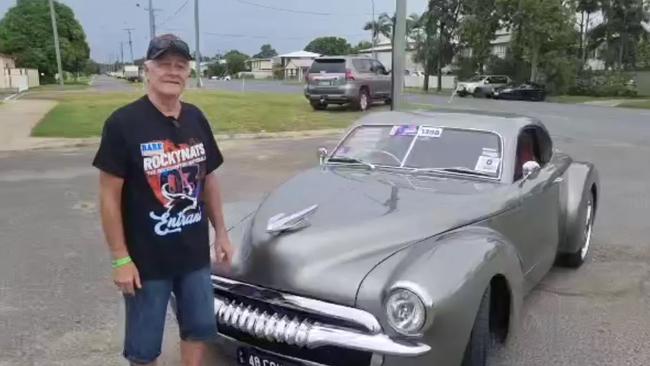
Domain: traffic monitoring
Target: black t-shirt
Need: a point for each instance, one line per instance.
(164, 164)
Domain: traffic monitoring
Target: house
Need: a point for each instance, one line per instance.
(384, 53)
(261, 68)
(296, 64)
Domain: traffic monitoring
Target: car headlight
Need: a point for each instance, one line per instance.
(406, 312)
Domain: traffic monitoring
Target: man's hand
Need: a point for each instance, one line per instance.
(127, 278)
(223, 250)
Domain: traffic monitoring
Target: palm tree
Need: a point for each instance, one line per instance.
(383, 25)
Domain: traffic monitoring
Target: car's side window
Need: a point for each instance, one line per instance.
(362, 66)
(526, 151)
(378, 67)
(533, 144)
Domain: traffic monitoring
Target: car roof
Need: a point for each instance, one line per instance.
(506, 125)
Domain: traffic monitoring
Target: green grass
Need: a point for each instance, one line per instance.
(645, 104)
(432, 91)
(575, 99)
(83, 115)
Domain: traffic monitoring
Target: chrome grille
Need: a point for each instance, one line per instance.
(271, 326)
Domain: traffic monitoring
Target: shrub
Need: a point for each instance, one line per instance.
(604, 84)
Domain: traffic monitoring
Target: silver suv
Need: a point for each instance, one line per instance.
(358, 81)
(482, 85)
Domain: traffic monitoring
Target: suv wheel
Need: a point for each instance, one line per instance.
(363, 102)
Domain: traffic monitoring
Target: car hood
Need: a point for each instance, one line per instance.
(362, 218)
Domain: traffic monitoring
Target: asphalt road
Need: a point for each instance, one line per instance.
(58, 305)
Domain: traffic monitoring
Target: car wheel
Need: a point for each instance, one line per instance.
(318, 106)
(478, 93)
(577, 258)
(363, 102)
(481, 341)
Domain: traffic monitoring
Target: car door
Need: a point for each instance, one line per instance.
(539, 196)
(382, 79)
(364, 74)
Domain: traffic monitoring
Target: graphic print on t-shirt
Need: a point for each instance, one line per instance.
(174, 173)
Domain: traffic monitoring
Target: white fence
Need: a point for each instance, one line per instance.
(448, 81)
(19, 79)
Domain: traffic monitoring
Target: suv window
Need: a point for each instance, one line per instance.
(330, 66)
(361, 65)
(497, 80)
(378, 68)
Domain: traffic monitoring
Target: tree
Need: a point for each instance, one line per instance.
(363, 45)
(236, 61)
(478, 26)
(445, 15)
(383, 25)
(266, 51)
(620, 31)
(330, 46)
(26, 34)
(91, 68)
(586, 9)
(216, 69)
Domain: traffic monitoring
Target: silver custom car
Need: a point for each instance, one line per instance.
(412, 243)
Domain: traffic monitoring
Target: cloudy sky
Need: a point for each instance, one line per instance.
(225, 24)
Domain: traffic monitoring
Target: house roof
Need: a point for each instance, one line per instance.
(300, 63)
(259, 59)
(300, 54)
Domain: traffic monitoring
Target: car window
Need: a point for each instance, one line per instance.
(533, 144)
(362, 66)
(330, 66)
(413, 146)
(378, 67)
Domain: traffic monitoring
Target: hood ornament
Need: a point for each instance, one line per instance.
(296, 221)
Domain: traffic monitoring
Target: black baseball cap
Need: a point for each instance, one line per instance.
(164, 43)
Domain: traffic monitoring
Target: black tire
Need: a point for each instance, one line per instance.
(586, 218)
(360, 104)
(481, 341)
(318, 106)
(478, 93)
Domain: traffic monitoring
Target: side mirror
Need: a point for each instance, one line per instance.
(529, 169)
(322, 155)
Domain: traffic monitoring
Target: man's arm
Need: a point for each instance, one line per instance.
(223, 248)
(110, 190)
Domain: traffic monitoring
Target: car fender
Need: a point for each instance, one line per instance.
(450, 273)
(237, 219)
(577, 179)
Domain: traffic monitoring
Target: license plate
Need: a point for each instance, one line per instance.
(324, 83)
(253, 357)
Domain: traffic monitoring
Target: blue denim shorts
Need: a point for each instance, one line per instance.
(147, 309)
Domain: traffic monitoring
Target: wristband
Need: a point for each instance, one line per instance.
(121, 262)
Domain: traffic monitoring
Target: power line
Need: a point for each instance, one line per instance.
(239, 35)
(178, 11)
(294, 11)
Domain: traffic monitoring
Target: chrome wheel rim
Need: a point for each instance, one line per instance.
(589, 223)
(364, 101)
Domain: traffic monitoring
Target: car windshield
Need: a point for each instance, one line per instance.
(477, 78)
(424, 148)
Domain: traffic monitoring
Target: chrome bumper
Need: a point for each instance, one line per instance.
(306, 333)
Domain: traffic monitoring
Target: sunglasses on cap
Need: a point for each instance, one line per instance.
(161, 45)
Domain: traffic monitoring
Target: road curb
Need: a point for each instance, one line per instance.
(45, 143)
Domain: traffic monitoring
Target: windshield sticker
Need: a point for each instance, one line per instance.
(486, 164)
(489, 152)
(404, 130)
(429, 131)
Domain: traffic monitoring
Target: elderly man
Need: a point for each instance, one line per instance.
(158, 188)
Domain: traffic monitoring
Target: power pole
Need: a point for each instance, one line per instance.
(122, 52)
(374, 31)
(130, 43)
(197, 56)
(56, 42)
(399, 54)
(152, 20)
